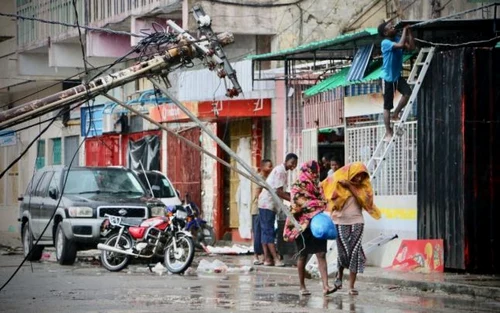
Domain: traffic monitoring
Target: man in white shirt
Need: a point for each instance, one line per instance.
(278, 180)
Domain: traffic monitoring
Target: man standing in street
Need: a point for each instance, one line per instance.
(325, 167)
(392, 51)
(278, 180)
(266, 166)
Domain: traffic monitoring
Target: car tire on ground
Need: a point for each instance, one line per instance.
(65, 248)
(28, 244)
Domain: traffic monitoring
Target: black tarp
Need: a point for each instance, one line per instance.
(146, 151)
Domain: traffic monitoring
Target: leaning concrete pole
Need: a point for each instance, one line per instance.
(231, 153)
(35, 108)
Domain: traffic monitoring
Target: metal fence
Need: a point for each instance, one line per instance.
(398, 175)
(325, 109)
(96, 13)
(107, 11)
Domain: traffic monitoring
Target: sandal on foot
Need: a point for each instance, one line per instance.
(257, 262)
(305, 292)
(353, 292)
(330, 291)
(338, 284)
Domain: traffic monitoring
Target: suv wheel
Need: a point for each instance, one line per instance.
(36, 253)
(65, 248)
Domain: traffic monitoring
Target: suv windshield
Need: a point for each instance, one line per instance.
(99, 180)
(159, 183)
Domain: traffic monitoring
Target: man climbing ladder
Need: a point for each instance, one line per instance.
(392, 52)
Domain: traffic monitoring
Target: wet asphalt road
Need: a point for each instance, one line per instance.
(90, 288)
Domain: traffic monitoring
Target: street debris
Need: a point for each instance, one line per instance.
(49, 256)
(218, 266)
(8, 250)
(159, 269)
(233, 250)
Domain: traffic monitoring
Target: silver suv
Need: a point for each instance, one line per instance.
(89, 194)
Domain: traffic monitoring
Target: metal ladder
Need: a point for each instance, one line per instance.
(416, 78)
(377, 242)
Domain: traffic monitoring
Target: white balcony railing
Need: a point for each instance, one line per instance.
(32, 34)
(104, 12)
(96, 13)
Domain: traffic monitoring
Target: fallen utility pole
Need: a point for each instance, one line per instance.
(93, 88)
(231, 153)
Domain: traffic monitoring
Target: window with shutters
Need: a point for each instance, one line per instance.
(40, 154)
(56, 151)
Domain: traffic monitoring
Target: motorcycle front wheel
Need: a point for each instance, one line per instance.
(179, 259)
(114, 261)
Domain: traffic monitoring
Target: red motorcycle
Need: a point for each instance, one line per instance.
(161, 236)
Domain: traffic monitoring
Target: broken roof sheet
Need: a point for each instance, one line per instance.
(360, 63)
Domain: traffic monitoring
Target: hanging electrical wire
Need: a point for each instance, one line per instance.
(458, 45)
(257, 5)
(53, 214)
(95, 29)
(69, 166)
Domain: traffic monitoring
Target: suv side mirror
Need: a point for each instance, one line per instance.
(53, 193)
(178, 193)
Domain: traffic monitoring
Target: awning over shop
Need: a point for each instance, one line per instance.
(451, 33)
(340, 79)
(324, 49)
(212, 110)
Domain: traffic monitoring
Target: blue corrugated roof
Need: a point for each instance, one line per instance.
(360, 63)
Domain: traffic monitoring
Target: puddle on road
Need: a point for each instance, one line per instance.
(261, 291)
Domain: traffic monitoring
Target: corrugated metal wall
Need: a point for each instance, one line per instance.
(440, 157)
(105, 150)
(457, 175)
(482, 168)
(102, 150)
(198, 85)
(184, 164)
